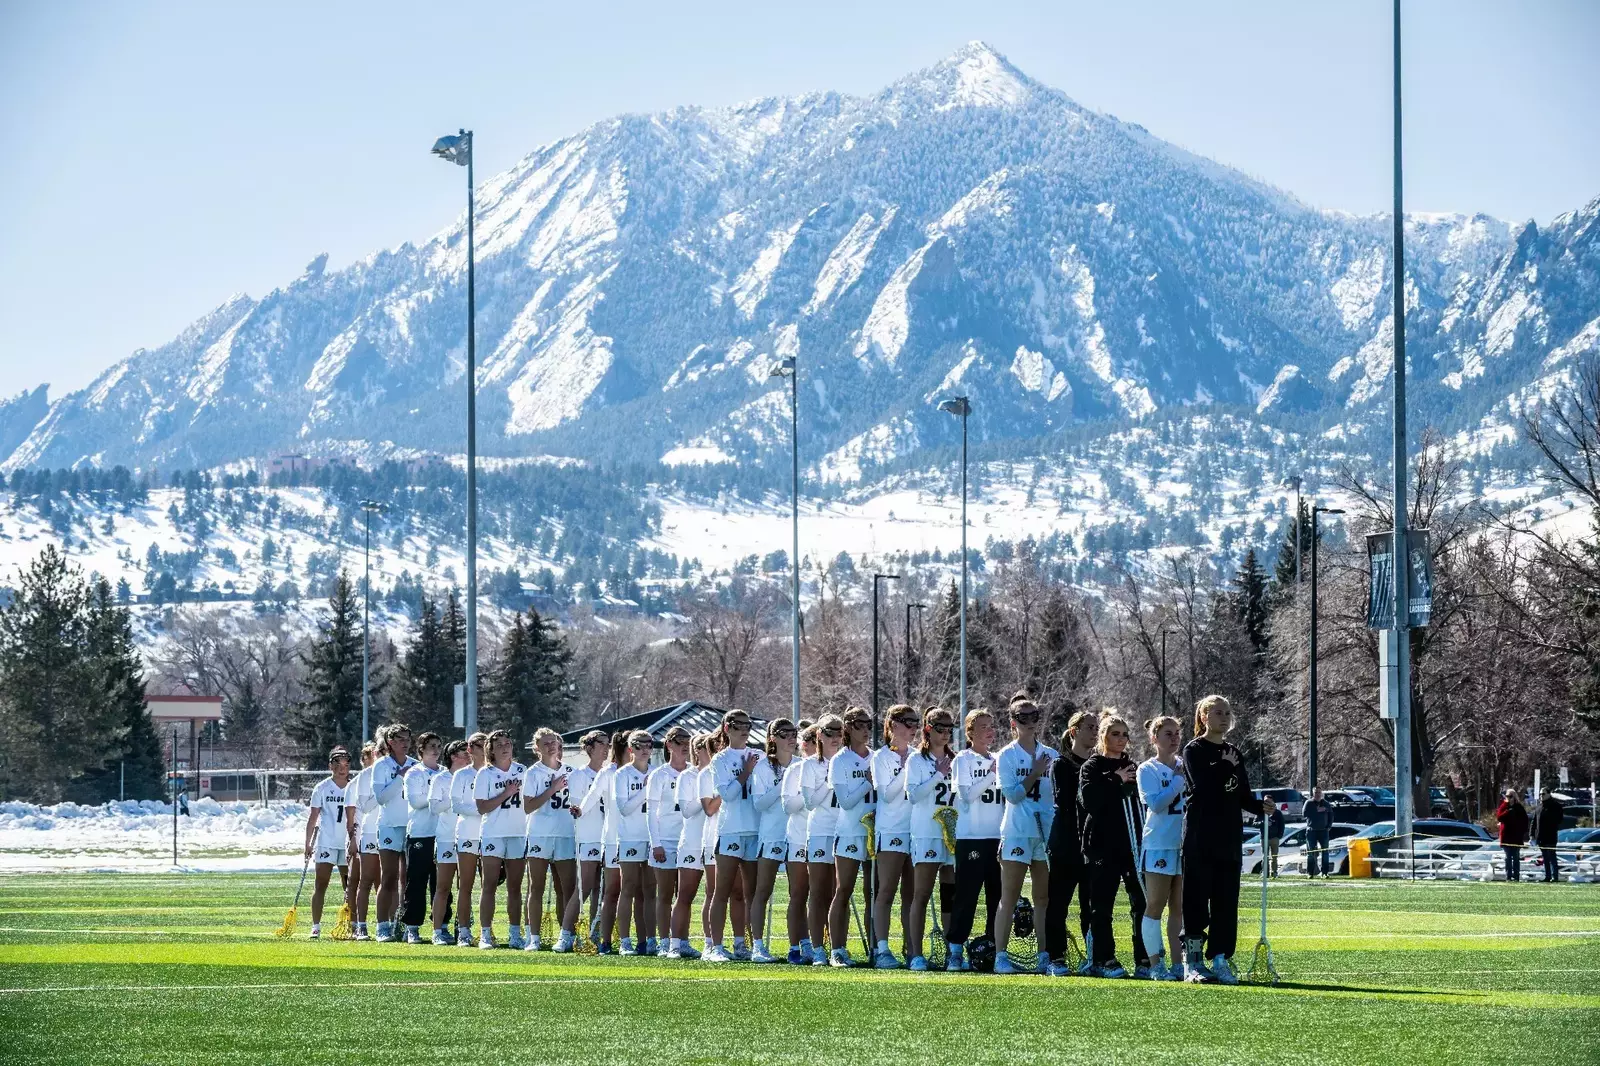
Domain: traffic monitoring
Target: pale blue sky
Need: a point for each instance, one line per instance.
(161, 156)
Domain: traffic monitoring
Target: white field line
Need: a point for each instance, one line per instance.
(1531, 935)
(465, 980)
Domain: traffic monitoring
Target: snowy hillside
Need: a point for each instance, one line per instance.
(965, 229)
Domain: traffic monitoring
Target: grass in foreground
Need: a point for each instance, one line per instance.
(183, 969)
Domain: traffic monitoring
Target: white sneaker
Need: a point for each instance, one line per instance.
(885, 960)
(717, 953)
(918, 965)
(840, 957)
(412, 936)
(1222, 971)
(464, 937)
(564, 943)
(761, 954)
(486, 941)
(1003, 963)
(385, 933)
(316, 932)
(516, 943)
(441, 939)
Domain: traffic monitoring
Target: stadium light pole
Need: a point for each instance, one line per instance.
(368, 507)
(1311, 681)
(457, 149)
(905, 670)
(961, 407)
(786, 368)
(877, 578)
(1400, 691)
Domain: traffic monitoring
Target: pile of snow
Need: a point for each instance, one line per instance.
(136, 835)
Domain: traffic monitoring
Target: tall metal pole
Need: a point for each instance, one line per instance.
(366, 638)
(1400, 692)
(1311, 682)
(966, 410)
(472, 461)
(1163, 671)
(876, 578)
(176, 783)
(794, 561)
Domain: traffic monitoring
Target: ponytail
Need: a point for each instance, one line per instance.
(1203, 709)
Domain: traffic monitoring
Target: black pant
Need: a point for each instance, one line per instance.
(1317, 853)
(1513, 861)
(1211, 898)
(977, 869)
(1552, 864)
(1103, 876)
(419, 880)
(1066, 876)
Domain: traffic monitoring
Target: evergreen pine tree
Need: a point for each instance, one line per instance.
(331, 712)
(1250, 599)
(54, 709)
(424, 683)
(529, 685)
(133, 765)
(1283, 572)
(246, 722)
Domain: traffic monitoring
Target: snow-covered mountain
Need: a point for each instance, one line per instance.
(967, 230)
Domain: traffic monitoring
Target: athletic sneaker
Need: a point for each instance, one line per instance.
(795, 958)
(716, 953)
(1003, 964)
(1112, 970)
(360, 934)
(741, 954)
(670, 953)
(516, 943)
(627, 947)
(688, 951)
(1059, 969)
(918, 964)
(464, 937)
(1141, 972)
(820, 959)
(761, 954)
(316, 932)
(1196, 973)
(565, 943)
(1222, 971)
(1174, 972)
(412, 936)
(441, 939)
(840, 958)
(957, 963)
(1156, 971)
(486, 941)
(885, 960)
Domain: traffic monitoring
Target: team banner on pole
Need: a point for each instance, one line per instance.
(1380, 587)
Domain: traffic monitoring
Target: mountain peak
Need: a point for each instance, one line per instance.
(974, 75)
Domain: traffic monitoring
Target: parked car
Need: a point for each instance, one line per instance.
(1440, 802)
(1250, 857)
(1439, 841)
(1376, 793)
(1291, 801)
(1292, 850)
(1356, 807)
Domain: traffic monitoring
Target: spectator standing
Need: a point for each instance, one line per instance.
(1546, 832)
(1319, 825)
(1513, 819)
(1274, 833)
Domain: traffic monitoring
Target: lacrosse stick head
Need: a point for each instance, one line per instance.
(1263, 970)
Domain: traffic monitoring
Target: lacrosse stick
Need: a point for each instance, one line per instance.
(1262, 969)
(289, 920)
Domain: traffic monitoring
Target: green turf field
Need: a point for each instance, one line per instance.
(184, 969)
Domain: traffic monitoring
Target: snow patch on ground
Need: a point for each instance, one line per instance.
(136, 835)
(889, 322)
